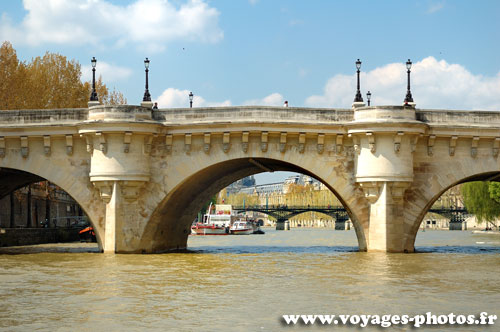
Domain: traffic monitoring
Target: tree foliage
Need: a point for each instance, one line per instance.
(50, 81)
(494, 189)
(479, 201)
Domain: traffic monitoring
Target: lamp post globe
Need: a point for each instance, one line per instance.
(147, 95)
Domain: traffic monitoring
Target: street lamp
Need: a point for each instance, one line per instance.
(93, 95)
(191, 99)
(358, 97)
(368, 97)
(147, 96)
(409, 98)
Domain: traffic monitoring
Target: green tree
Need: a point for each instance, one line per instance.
(478, 201)
(494, 189)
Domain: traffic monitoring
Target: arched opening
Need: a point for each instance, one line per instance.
(170, 223)
(446, 210)
(29, 201)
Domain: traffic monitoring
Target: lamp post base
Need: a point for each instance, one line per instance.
(147, 104)
(357, 104)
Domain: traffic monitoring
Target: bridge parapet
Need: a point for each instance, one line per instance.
(253, 114)
(458, 117)
(18, 118)
(130, 113)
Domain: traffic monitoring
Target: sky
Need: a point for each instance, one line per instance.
(263, 52)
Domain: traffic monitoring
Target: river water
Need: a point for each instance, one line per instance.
(246, 283)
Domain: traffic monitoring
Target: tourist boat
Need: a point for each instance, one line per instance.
(214, 223)
(241, 227)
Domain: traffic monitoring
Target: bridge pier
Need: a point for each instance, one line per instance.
(384, 143)
(283, 225)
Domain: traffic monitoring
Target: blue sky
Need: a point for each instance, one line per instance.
(240, 52)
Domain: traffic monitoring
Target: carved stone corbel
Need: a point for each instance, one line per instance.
(355, 142)
(127, 138)
(413, 142)
(398, 190)
(226, 145)
(473, 149)
(263, 141)
(371, 190)
(187, 143)
(88, 142)
(24, 146)
(46, 145)
(430, 145)
(321, 143)
(339, 142)
(69, 145)
(244, 141)
(130, 190)
(282, 142)
(148, 143)
(496, 146)
(302, 142)
(105, 190)
(206, 142)
(397, 141)
(453, 145)
(2, 147)
(371, 142)
(168, 143)
(102, 142)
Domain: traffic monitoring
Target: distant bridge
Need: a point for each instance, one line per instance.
(283, 213)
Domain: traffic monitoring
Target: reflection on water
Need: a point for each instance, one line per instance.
(245, 283)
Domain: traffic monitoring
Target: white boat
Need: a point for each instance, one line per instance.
(216, 223)
(485, 232)
(241, 227)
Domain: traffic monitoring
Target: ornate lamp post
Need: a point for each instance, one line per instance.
(368, 97)
(191, 99)
(358, 98)
(147, 96)
(93, 95)
(408, 98)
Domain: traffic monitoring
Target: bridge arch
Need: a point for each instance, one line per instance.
(169, 225)
(15, 175)
(442, 182)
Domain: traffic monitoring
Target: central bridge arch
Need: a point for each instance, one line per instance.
(169, 225)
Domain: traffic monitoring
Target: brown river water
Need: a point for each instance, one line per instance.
(246, 283)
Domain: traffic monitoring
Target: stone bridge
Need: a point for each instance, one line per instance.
(141, 175)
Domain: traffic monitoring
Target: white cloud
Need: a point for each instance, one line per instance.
(295, 22)
(145, 23)
(109, 73)
(274, 99)
(434, 84)
(172, 97)
(434, 7)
